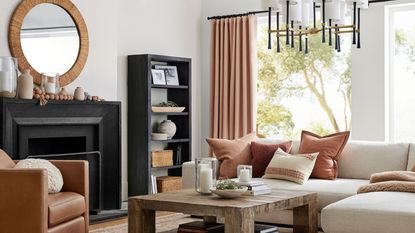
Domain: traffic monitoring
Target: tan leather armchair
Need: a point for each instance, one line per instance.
(26, 206)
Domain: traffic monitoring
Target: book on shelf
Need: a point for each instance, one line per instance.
(201, 227)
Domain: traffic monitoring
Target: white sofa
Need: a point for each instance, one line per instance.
(341, 210)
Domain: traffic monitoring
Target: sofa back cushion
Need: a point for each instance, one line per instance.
(411, 157)
(360, 160)
(5, 161)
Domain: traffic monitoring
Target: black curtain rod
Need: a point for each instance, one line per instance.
(262, 12)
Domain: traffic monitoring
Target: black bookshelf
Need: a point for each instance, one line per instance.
(142, 94)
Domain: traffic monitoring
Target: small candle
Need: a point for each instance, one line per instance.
(245, 175)
(50, 88)
(206, 180)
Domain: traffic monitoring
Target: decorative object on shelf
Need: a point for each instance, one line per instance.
(8, 77)
(63, 91)
(153, 182)
(178, 155)
(168, 106)
(244, 173)
(159, 77)
(50, 83)
(300, 19)
(171, 75)
(25, 85)
(159, 136)
(168, 183)
(162, 158)
(205, 174)
(79, 94)
(168, 127)
(229, 189)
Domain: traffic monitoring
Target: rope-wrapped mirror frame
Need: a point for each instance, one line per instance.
(16, 48)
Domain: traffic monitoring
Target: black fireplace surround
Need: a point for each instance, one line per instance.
(69, 130)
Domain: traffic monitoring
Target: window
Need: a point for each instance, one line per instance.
(299, 91)
(402, 72)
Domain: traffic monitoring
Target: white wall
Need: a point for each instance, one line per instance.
(160, 27)
(99, 75)
(370, 99)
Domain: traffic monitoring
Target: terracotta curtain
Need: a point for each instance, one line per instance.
(233, 77)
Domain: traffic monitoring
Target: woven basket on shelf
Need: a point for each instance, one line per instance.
(162, 158)
(169, 183)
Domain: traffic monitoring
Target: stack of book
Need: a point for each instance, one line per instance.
(255, 187)
(206, 227)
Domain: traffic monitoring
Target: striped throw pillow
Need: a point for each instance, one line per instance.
(296, 168)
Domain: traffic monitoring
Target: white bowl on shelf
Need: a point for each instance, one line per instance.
(159, 136)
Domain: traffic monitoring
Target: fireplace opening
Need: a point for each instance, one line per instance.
(57, 145)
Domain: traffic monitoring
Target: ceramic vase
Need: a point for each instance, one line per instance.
(167, 127)
(25, 85)
(79, 94)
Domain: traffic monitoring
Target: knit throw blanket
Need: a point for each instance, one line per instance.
(395, 181)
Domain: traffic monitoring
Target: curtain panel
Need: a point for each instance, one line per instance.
(233, 77)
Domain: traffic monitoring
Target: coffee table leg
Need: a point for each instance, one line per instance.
(140, 220)
(239, 220)
(305, 217)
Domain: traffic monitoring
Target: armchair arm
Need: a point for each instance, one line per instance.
(188, 175)
(75, 179)
(23, 200)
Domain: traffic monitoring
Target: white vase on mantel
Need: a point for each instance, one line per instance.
(79, 94)
(167, 127)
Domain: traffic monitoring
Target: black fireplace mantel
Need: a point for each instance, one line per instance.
(25, 122)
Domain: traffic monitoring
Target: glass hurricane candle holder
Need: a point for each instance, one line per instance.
(8, 77)
(206, 174)
(50, 83)
(244, 173)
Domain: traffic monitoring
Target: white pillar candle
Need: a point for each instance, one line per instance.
(206, 180)
(5, 81)
(244, 175)
(50, 88)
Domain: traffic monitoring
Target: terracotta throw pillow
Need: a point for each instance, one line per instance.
(5, 161)
(413, 169)
(329, 148)
(296, 168)
(232, 153)
(262, 154)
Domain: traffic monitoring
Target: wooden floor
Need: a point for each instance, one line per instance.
(119, 221)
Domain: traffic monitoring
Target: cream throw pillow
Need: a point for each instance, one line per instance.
(55, 179)
(296, 168)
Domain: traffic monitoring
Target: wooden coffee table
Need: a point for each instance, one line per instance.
(239, 214)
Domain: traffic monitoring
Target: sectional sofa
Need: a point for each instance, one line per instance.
(341, 209)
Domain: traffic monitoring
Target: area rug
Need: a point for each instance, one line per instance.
(164, 224)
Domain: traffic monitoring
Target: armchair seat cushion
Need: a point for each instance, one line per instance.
(65, 206)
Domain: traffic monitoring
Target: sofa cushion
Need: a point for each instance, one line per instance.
(296, 168)
(262, 154)
(374, 212)
(329, 148)
(5, 160)
(232, 153)
(411, 157)
(329, 191)
(65, 206)
(360, 160)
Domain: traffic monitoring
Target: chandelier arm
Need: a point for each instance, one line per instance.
(339, 44)
(278, 28)
(354, 22)
(306, 45)
(314, 15)
(330, 33)
(323, 8)
(287, 23)
(336, 46)
(301, 39)
(292, 34)
(358, 28)
(269, 27)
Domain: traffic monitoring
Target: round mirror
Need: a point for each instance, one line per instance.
(49, 36)
(49, 39)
